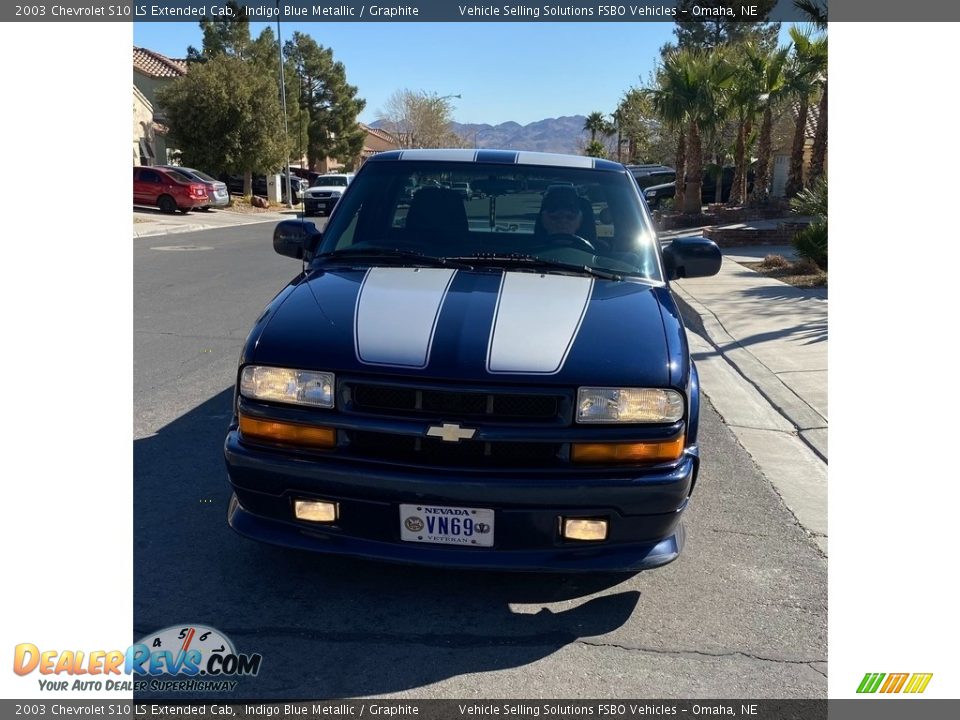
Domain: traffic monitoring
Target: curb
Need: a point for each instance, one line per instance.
(169, 229)
(810, 426)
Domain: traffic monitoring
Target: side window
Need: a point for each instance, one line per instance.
(150, 176)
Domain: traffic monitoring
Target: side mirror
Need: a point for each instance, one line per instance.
(692, 257)
(295, 238)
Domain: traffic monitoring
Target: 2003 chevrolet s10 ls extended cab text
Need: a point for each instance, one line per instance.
(499, 380)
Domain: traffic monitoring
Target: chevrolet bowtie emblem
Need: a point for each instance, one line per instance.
(451, 432)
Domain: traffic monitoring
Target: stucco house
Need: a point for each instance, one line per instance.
(151, 71)
(783, 147)
(377, 141)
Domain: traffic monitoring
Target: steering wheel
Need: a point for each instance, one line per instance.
(568, 240)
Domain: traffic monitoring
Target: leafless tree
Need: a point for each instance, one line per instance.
(418, 119)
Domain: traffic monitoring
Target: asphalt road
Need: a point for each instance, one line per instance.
(741, 614)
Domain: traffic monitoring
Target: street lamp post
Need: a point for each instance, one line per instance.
(446, 97)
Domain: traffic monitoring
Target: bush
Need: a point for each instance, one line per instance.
(806, 266)
(811, 244)
(812, 201)
(774, 262)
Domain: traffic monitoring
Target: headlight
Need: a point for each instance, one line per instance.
(335, 193)
(298, 387)
(651, 193)
(628, 405)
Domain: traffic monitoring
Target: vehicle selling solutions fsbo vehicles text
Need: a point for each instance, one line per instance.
(535, 11)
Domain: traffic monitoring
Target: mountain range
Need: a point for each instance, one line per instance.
(558, 135)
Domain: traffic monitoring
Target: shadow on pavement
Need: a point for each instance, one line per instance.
(327, 626)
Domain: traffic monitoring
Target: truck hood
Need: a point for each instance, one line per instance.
(470, 325)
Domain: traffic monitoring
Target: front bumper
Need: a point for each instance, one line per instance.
(643, 508)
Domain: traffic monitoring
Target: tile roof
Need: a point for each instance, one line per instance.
(813, 117)
(377, 132)
(153, 64)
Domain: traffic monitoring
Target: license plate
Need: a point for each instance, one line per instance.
(446, 525)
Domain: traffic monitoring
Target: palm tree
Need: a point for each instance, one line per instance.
(773, 87)
(818, 156)
(690, 84)
(745, 98)
(815, 10)
(805, 77)
(595, 123)
(672, 111)
(714, 126)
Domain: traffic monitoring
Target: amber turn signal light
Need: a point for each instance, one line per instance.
(284, 433)
(660, 451)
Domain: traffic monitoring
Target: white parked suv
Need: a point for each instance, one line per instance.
(321, 197)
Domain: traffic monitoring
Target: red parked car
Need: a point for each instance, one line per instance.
(167, 190)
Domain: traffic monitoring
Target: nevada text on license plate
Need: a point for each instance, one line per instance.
(446, 525)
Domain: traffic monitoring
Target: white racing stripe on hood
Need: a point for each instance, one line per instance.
(536, 321)
(396, 315)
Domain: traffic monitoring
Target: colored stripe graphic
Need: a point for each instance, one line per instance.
(870, 682)
(918, 683)
(894, 682)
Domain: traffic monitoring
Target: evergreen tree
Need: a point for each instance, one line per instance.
(706, 32)
(331, 104)
(226, 35)
(225, 116)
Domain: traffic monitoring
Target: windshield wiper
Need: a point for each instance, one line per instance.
(386, 253)
(537, 262)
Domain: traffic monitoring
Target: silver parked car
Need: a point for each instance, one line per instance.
(216, 190)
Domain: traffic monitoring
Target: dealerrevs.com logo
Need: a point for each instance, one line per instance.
(180, 658)
(894, 683)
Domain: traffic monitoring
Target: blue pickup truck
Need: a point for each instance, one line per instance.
(500, 380)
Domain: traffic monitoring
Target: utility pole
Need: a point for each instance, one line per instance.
(283, 101)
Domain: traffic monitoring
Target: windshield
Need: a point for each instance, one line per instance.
(330, 180)
(580, 217)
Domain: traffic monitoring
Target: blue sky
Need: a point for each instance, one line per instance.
(503, 71)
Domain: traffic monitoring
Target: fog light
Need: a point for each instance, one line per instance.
(584, 529)
(316, 510)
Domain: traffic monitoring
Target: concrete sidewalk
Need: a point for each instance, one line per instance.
(147, 222)
(761, 348)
